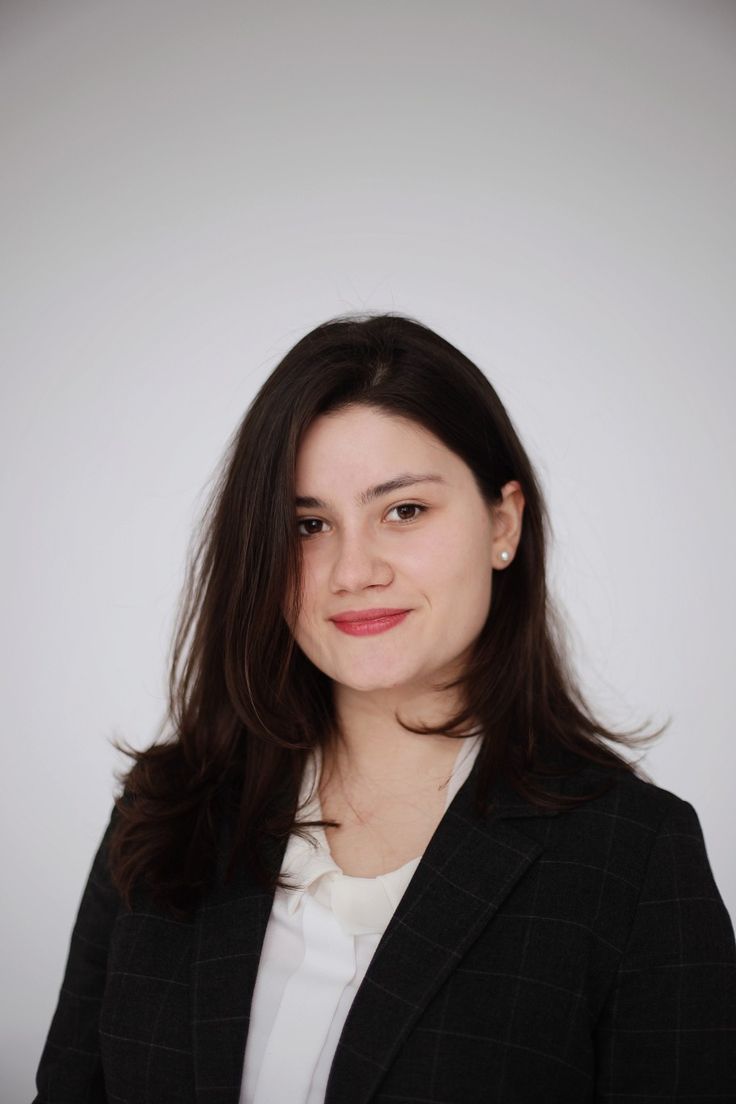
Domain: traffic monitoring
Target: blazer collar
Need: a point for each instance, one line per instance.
(469, 867)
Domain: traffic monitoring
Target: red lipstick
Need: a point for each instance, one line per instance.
(367, 622)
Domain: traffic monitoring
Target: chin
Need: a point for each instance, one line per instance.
(366, 685)
(365, 681)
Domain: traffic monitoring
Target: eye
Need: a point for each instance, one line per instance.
(409, 506)
(401, 506)
(308, 521)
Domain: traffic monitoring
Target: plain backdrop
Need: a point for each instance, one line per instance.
(187, 188)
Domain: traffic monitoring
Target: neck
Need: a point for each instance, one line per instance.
(373, 749)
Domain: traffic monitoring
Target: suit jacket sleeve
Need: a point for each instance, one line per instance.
(668, 1028)
(70, 1069)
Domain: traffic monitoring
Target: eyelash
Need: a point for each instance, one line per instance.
(399, 506)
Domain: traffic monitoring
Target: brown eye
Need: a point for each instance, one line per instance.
(308, 521)
(409, 506)
(412, 506)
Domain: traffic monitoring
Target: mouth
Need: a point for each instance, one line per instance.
(367, 614)
(369, 622)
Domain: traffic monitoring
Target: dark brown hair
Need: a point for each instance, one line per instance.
(245, 703)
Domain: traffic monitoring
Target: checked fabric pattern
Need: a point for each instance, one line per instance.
(556, 958)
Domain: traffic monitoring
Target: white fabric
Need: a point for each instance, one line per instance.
(319, 941)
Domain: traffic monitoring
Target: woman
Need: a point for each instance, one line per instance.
(385, 852)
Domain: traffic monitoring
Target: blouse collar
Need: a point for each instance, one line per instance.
(361, 905)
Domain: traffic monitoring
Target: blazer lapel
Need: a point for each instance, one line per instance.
(468, 868)
(230, 931)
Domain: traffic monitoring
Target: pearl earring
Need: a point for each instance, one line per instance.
(504, 556)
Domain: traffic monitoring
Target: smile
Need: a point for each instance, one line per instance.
(369, 628)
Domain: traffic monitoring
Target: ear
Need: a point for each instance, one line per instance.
(506, 517)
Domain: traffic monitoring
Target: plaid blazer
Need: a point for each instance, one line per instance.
(545, 957)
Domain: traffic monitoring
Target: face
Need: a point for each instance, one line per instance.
(428, 547)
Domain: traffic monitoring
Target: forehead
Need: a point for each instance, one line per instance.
(350, 433)
(364, 452)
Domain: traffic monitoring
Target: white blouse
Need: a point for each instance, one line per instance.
(319, 941)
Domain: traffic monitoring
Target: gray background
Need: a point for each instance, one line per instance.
(187, 188)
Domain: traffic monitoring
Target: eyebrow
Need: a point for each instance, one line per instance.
(407, 479)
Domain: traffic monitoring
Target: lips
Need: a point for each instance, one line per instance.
(368, 622)
(366, 615)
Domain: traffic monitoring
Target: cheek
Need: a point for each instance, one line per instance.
(461, 563)
(311, 588)
(311, 616)
(462, 580)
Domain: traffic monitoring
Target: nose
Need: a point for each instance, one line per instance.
(358, 564)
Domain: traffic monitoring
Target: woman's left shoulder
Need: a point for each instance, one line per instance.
(628, 796)
(636, 824)
(634, 863)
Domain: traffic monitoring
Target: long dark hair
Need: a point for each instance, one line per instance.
(246, 705)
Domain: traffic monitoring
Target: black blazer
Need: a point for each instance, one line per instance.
(535, 957)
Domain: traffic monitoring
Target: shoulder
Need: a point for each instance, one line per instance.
(638, 805)
(594, 798)
(625, 808)
(630, 867)
(629, 797)
(635, 835)
(618, 824)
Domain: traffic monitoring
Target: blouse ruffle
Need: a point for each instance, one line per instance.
(361, 905)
